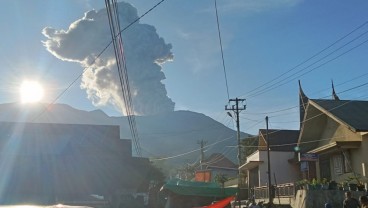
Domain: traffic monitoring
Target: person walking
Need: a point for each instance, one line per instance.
(349, 201)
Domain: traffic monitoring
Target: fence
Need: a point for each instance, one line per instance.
(286, 190)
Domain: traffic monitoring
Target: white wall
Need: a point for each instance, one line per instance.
(254, 156)
(360, 156)
(285, 172)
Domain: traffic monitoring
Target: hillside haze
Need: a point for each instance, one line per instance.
(161, 136)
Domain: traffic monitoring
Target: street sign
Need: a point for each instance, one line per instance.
(308, 157)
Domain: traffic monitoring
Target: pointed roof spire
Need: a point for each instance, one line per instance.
(334, 95)
(303, 101)
(302, 97)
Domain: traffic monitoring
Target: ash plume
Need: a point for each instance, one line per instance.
(145, 52)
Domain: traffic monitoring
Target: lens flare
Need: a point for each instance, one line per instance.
(31, 92)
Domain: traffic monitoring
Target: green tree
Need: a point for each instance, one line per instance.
(248, 146)
(221, 179)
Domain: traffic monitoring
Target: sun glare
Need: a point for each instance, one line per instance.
(31, 92)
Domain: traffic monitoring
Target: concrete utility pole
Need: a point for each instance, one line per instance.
(202, 143)
(236, 109)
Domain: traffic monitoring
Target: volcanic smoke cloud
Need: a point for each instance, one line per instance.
(144, 50)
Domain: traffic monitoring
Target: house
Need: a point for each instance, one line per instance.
(44, 163)
(283, 169)
(337, 132)
(215, 165)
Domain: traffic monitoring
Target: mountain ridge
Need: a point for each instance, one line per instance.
(162, 135)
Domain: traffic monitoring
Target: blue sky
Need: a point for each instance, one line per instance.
(261, 40)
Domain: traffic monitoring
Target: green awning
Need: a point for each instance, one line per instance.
(194, 188)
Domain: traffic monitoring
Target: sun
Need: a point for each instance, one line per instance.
(31, 92)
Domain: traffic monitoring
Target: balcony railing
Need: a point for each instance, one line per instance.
(286, 190)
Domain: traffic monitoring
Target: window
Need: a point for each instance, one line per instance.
(347, 164)
(341, 163)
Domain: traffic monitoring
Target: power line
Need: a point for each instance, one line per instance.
(273, 132)
(212, 126)
(114, 23)
(329, 110)
(343, 104)
(222, 52)
(94, 61)
(254, 125)
(261, 121)
(189, 152)
(355, 87)
(297, 106)
(343, 83)
(193, 164)
(248, 119)
(301, 122)
(271, 112)
(218, 157)
(321, 114)
(276, 85)
(308, 59)
(293, 143)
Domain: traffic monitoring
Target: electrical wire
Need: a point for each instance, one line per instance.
(295, 143)
(298, 106)
(280, 83)
(222, 51)
(273, 132)
(114, 23)
(322, 113)
(248, 119)
(195, 150)
(353, 88)
(343, 83)
(214, 160)
(346, 102)
(93, 61)
(219, 157)
(189, 152)
(308, 59)
(209, 127)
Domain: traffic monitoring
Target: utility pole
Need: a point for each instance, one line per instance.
(236, 109)
(202, 143)
(270, 200)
